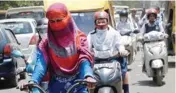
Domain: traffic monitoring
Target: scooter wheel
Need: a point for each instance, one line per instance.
(158, 77)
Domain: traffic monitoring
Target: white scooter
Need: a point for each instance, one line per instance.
(155, 56)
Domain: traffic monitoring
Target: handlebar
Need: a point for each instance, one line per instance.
(30, 86)
(84, 82)
(105, 59)
(117, 54)
(79, 82)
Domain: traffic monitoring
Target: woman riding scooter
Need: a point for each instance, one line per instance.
(64, 53)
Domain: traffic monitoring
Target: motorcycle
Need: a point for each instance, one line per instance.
(155, 56)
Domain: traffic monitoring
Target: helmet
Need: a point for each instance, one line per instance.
(133, 10)
(151, 11)
(123, 13)
(101, 15)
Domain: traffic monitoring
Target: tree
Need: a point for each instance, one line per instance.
(4, 5)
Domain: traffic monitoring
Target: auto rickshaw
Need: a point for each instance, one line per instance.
(170, 27)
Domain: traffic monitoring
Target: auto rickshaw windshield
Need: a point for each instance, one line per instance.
(84, 21)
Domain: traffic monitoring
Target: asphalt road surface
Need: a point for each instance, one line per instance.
(139, 82)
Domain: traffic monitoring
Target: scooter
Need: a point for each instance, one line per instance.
(155, 56)
(108, 75)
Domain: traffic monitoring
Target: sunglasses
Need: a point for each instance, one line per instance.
(56, 20)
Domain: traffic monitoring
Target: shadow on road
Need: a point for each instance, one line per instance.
(5, 85)
(171, 64)
(149, 83)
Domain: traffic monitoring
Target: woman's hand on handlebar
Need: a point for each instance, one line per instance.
(23, 85)
(91, 82)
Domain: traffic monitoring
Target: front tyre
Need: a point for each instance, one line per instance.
(158, 78)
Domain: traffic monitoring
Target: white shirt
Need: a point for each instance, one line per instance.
(104, 43)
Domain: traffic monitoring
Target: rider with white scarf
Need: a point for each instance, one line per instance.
(104, 42)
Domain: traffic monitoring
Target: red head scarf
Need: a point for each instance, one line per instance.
(61, 29)
(64, 37)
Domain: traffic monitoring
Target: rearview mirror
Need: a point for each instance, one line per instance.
(17, 53)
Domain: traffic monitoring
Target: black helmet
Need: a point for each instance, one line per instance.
(123, 13)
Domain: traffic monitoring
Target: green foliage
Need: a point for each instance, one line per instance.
(4, 5)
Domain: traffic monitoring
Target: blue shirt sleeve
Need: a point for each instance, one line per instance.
(85, 69)
(40, 68)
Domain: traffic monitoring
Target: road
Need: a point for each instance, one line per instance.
(139, 82)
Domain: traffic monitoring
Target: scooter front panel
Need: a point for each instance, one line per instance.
(152, 51)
